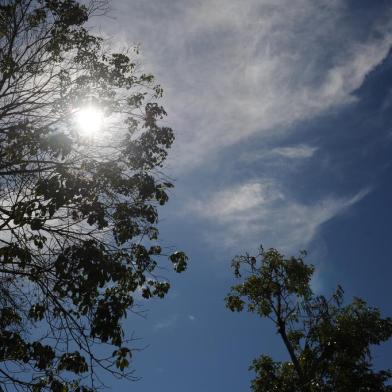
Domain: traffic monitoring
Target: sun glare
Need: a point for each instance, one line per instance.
(89, 120)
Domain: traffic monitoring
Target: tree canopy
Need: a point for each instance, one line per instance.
(328, 343)
(78, 213)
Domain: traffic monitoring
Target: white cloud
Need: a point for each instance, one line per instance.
(234, 69)
(191, 317)
(246, 215)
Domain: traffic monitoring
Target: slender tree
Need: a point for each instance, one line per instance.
(328, 343)
(78, 212)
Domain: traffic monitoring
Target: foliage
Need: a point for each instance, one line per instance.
(78, 214)
(329, 344)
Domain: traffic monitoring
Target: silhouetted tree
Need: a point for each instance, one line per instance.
(78, 214)
(329, 344)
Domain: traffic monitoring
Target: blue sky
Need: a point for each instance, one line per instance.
(282, 111)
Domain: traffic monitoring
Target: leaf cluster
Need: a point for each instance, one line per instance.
(328, 343)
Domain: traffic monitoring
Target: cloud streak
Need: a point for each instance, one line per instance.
(167, 323)
(300, 151)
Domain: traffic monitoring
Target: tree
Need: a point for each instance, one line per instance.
(329, 344)
(78, 213)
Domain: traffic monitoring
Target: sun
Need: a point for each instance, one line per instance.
(89, 120)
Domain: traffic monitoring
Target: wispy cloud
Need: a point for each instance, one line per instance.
(263, 212)
(295, 152)
(298, 152)
(167, 323)
(235, 69)
(172, 321)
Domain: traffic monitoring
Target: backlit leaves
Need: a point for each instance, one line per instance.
(78, 220)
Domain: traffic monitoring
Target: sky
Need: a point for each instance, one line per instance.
(282, 114)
